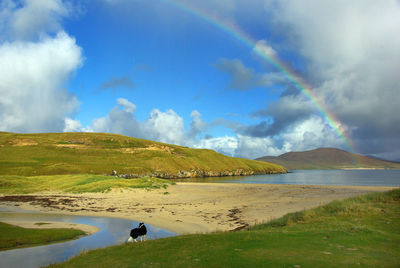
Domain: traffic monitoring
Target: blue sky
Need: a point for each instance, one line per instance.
(164, 51)
(152, 70)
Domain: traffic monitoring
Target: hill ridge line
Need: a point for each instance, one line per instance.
(103, 153)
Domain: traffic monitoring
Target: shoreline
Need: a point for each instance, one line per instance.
(371, 168)
(88, 229)
(187, 208)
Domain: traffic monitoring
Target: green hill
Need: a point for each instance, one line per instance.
(100, 153)
(328, 158)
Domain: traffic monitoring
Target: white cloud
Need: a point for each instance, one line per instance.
(161, 126)
(308, 134)
(37, 58)
(72, 125)
(165, 127)
(127, 105)
(33, 18)
(32, 79)
(117, 121)
(262, 47)
(226, 144)
(197, 125)
(253, 147)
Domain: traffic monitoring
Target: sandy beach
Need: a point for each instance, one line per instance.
(88, 229)
(192, 207)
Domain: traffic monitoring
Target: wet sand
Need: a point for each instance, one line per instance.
(192, 207)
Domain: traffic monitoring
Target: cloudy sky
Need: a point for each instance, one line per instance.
(191, 72)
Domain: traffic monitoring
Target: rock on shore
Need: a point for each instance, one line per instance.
(196, 173)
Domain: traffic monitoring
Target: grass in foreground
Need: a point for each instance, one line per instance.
(74, 183)
(17, 237)
(357, 232)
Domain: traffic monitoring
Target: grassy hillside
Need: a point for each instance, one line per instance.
(358, 232)
(99, 153)
(327, 158)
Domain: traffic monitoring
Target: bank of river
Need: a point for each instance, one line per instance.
(112, 231)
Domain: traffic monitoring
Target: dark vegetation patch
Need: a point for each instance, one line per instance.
(68, 203)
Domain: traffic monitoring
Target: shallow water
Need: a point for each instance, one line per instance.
(112, 231)
(317, 177)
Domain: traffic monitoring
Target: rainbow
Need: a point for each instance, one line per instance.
(272, 59)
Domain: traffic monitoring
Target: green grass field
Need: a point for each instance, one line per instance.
(357, 232)
(100, 153)
(16, 237)
(74, 183)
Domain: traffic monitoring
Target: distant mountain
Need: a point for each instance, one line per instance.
(383, 159)
(328, 158)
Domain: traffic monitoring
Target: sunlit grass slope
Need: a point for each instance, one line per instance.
(12, 184)
(99, 153)
(358, 232)
(16, 237)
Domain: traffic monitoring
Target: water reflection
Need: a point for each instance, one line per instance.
(112, 231)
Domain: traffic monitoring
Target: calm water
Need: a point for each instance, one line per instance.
(318, 177)
(112, 231)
